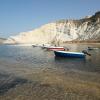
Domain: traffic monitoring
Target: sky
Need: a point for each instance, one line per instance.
(25, 15)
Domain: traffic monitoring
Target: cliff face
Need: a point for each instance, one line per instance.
(63, 30)
(2, 40)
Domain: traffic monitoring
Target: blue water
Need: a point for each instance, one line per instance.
(38, 57)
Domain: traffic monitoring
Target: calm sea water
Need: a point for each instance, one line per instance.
(38, 58)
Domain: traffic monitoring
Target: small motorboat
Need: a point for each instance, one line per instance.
(92, 48)
(34, 46)
(37, 45)
(69, 54)
(45, 46)
(53, 48)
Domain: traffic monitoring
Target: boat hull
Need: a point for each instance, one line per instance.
(69, 54)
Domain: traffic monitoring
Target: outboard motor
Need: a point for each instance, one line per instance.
(85, 52)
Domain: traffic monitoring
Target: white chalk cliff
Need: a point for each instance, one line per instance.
(87, 28)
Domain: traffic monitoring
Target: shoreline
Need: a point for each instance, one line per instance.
(30, 44)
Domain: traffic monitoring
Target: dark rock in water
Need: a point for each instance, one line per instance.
(8, 81)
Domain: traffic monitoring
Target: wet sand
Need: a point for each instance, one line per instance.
(17, 82)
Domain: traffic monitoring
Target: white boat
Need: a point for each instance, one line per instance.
(53, 48)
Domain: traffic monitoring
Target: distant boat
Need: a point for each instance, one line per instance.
(54, 48)
(45, 46)
(69, 54)
(37, 45)
(34, 46)
(92, 48)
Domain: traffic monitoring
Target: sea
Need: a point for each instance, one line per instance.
(34, 73)
(36, 57)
